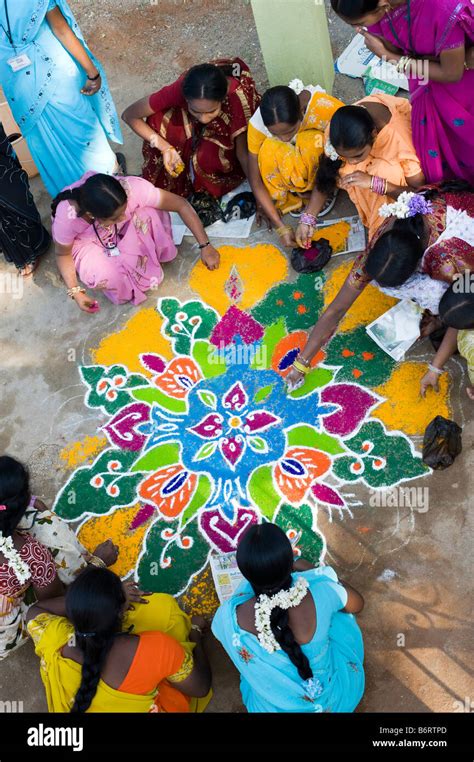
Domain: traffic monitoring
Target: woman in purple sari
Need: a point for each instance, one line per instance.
(431, 42)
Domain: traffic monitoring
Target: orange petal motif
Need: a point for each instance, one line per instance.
(287, 350)
(170, 489)
(298, 469)
(179, 377)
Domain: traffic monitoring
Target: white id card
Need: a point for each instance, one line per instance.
(19, 62)
(113, 252)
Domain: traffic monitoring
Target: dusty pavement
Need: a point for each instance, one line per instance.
(414, 569)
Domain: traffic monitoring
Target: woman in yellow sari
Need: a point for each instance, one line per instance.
(100, 654)
(285, 142)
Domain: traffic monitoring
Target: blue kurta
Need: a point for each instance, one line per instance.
(67, 132)
(270, 682)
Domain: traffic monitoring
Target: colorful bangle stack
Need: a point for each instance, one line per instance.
(379, 185)
(438, 371)
(75, 290)
(403, 64)
(96, 561)
(302, 365)
(284, 230)
(308, 219)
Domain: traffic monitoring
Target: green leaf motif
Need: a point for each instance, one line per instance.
(117, 485)
(263, 393)
(206, 451)
(360, 358)
(273, 334)
(201, 496)
(262, 491)
(315, 379)
(109, 387)
(158, 457)
(258, 444)
(299, 523)
(209, 360)
(306, 436)
(380, 459)
(186, 322)
(185, 556)
(208, 398)
(298, 304)
(156, 396)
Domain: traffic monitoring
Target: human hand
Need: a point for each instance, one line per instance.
(133, 594)
(85, 303)
(172, 161)
(429, 379)
(356, 180)
(294, 380)
(375, 44)
(107, 552)
(200, 622)
(210, 257)
(91, 88)
(304, 235)
(288, 240)
(40, 506)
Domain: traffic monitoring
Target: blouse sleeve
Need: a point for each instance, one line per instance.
(255, 138)
(63, 226)
(40, 563)
(141, 193)
(168, 97)
(336, 592)
(172, 661)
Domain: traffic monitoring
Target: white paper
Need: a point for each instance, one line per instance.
(226, 574)
(398, 329)
(356, 59)
(356, 240)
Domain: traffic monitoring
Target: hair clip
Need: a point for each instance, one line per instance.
(3, 507)
(86, 634)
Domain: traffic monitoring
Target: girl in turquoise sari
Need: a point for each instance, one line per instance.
(291, 634)
(57, 91)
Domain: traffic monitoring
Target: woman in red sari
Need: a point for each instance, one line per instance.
(195, 130)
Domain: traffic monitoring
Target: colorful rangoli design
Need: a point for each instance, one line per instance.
(204, 444)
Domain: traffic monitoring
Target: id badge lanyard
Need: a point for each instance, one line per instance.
(17, 62)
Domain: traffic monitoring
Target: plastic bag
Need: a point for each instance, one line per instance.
(442, 443)
(240, 207)
(312, 260)
(206, 206)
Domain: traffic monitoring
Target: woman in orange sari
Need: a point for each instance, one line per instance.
(195, 130)
(99, 654)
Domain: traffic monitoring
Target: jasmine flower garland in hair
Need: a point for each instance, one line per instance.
(296, 85)
(15, 562)
(285, 599)
(407, 205)
(330, 151)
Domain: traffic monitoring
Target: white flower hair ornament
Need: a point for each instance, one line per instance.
(296, 85)
(408, 204)
(285, 599)
(14, 560)
(330, 151)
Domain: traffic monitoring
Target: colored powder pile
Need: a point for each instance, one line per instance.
(83, 452)
(142, 333)
(336, 235)
(258, 268)
(405, 409)
(370, 305)
(200, 596)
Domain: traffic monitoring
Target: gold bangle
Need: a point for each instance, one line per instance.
(283, 230)
(303, 360)
(75, 290)
(300, 367)
(96, 561)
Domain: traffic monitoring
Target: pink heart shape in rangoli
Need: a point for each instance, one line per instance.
(354, 402)
(121, 430)
(223, 535)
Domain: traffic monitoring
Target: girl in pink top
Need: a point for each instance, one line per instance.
(114, 233)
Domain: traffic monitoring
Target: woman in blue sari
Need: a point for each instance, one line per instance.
(291, 634)
(57, 91)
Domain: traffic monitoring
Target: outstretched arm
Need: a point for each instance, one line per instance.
(170, 202)
(446, 350)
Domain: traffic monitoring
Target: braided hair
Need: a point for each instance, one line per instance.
(100, 195)
(94, 605)
(396, 254)
(14, 493)
(351, 127)
(265, 558)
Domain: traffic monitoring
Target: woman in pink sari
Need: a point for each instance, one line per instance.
(114, 233)
(431, 42)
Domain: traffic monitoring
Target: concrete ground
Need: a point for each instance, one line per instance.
(414, 569)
